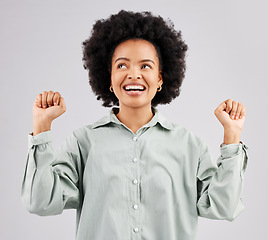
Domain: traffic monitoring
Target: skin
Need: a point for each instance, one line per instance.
(47, 107)
(136, 61)
(231, 115)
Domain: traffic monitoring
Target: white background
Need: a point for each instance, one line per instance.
(40, 49)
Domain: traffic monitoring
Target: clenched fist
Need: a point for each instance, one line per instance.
(47, 106)
(231, 115)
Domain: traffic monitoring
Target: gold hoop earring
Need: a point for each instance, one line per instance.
(111, 89)
(159, 89)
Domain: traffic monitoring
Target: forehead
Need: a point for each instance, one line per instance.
(135, 48)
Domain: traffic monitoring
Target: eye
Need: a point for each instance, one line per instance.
(145, 66)
(121, 65)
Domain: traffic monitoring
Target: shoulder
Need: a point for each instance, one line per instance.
(185, 135)
(84, 132)
(178, 132)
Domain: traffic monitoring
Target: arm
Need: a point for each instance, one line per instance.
(51, 178)
(50, 182)
(220, 186)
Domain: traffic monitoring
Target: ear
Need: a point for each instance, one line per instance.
(160, 78)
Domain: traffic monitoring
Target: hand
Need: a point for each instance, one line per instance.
(46, 108)
(231, 115)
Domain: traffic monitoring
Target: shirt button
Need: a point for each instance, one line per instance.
(134, 160)
(135, 207)
(135, 229)
(135, 138)
(135, 181)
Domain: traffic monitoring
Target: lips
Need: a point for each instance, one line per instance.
(134, 87)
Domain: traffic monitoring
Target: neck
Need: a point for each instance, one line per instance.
(135, 118)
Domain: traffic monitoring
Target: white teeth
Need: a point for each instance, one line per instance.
(134, 87)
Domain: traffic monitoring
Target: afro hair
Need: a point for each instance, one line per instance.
(108, 33)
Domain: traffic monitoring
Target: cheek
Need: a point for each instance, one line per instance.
(154, 78)
(117, 79)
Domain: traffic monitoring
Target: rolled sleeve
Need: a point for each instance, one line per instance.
(220, 187)
(233, 150)
(41, 138)
(50, 182)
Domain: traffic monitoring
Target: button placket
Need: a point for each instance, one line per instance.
(135, 182)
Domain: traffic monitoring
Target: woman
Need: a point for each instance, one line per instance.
(133, 174)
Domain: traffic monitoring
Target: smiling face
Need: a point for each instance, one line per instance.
(135, 73)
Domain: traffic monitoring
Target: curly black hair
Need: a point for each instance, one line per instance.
(107, 34)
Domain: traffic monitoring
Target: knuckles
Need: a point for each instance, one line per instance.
(48, 98)
(231, 107)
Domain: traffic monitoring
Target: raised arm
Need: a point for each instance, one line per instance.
(51, 178)
(220, 185)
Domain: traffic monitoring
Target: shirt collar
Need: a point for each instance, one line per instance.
(157, 118)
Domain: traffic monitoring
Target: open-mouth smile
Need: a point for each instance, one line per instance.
(134, 89)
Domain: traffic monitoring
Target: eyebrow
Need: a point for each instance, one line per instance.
(127, 59)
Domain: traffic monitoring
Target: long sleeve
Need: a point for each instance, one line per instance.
(51, 178)
(151, 184)
(220, 185)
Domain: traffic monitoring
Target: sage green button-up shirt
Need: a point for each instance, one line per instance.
(151, 185)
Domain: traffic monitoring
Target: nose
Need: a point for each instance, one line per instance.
(134, 74)
(130, 77)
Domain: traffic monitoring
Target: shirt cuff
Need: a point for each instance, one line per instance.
(41, 138)
(232, 149)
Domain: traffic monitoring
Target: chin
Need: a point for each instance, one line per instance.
(135, 104)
